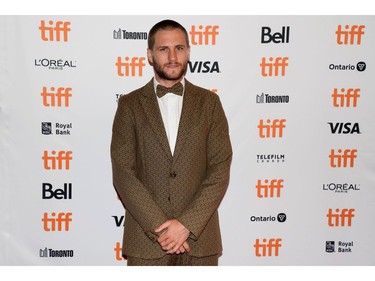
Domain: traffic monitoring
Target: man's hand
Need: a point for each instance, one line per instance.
(173, 237)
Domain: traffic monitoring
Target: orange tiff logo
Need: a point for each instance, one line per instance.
(118, 252)
(56, 222)
(204, 35)
(271, 129)
(343, 158)
(130, 66)
(346, 97)
(349, 35)
(57, 160)
(340, 217)
(54, 31)
(267, 248)
(56, 97)
(269, 188)
(274, 67)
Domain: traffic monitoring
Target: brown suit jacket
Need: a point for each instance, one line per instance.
(155, 186)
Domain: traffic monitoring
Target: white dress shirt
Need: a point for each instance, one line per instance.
(170, 106)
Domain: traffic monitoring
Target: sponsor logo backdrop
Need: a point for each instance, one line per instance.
(298, 92)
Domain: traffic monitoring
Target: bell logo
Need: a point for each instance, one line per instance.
(272, 129)
(59, 97)
(60, 222)
(346, 97)
(130, 65)
(342, 159)
(274, 67)
(269, 189)
(118, 252)
(53, 162)
(267, 248)
(205, 35)
(277, 37)
(340, 218)
(54, 32)
(350, 35)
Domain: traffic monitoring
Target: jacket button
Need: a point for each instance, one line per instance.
(173, 175)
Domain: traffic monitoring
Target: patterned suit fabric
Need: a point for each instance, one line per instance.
(155, 186)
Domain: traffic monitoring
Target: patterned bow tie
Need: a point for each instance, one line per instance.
(175, 89)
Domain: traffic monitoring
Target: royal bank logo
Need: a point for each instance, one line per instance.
(360, 66)
(56, 128)
(129, 35)
(52, 253)
(46, 128)
(342, 247)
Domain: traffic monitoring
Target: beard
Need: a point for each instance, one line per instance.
(170, 76)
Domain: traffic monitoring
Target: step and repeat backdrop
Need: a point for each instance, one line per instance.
(299, 95)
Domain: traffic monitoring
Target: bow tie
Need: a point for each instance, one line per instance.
(175, 89)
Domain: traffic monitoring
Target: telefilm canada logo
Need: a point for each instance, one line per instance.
(339, 247)
(360, 66)
(270, 158)
(52, 253)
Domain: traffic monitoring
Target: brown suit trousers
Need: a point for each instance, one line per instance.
(155, 186)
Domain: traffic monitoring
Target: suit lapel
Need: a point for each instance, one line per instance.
(186, 119)
(152, 111)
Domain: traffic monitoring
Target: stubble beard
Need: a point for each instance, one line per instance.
(170, 77)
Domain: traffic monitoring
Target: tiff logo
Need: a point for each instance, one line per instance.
(204, 35)
(130, 66)
(118, 252)
(267, 248)
(59, 97)
(346, 97)
(53, 162)
(271, 129)
(350, 35)
(342, 159)
(340, 218)
(269, 188)
(59, 223)
(54, 32)
(274, 67)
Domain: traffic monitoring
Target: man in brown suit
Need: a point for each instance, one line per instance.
(171, 156)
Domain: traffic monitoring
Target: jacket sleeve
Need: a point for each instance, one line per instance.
(134, 195)
(214, 186)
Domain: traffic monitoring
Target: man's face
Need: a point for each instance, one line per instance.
(169, 56)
